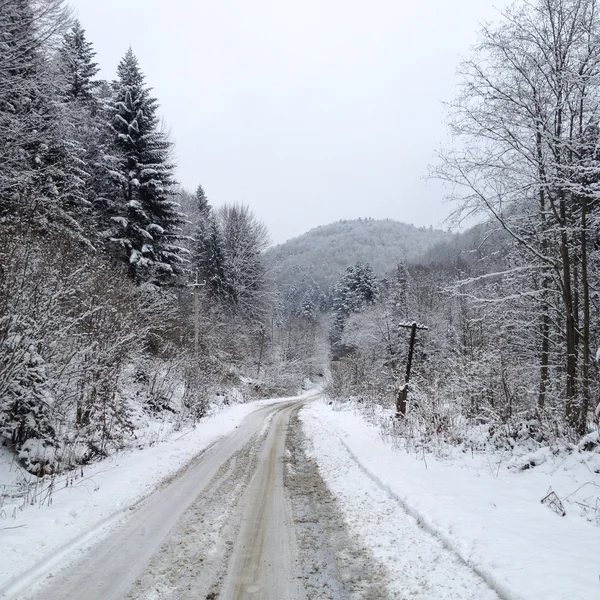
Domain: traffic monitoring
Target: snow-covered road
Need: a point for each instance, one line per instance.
(153, 555)
(263, 561)
(271, 511)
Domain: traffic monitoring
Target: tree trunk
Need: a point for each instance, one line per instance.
(585, 384)
(571, 403)
(544, 359)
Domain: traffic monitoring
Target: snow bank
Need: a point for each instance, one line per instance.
(490, 516)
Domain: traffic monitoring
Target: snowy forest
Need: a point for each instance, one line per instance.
(102, 254)
(99, 251)
(511, 305)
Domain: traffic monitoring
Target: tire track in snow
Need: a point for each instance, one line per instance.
(264, 560)
(333, 566)
(62, 556)
(108, 569)
(192, 561)
(422, 522)
(419, 564)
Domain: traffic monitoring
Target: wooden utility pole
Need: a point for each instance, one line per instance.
(403, 393)
(262, 345)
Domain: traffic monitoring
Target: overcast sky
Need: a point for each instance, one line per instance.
(309, 111)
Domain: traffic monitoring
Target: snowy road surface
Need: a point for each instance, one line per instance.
(262, 564)
(252, 518)
(116, 567)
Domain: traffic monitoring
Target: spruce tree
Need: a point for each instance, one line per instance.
(24, 408)
(92, 153)
(78, 67)
(36, 188)
(202, 204)
(202, 230)
(147, 221)
(79, 151)
(356, 289)
(308, 308)
(23, 119)
(212, 262)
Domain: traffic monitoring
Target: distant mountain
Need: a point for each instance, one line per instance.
(319, 256)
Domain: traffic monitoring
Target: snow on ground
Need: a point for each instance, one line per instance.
(490, 516)
(90, 503)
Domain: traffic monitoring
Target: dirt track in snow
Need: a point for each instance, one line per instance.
(249, 518)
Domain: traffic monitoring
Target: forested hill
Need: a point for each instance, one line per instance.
(321, 254)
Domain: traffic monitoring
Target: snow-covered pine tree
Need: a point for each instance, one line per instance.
(367, 286)
(78, 67)
(22, 110)
(211, 261)
(25, 423)
(308, 308)
(356, 288)
(93, 154)
(79, 149)
(398, 293)
(202, 213)
(146, 218)
(341, 309)
(202, 204)
(36, 187)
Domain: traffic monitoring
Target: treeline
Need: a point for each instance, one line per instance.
(513, 305)
(98, 249)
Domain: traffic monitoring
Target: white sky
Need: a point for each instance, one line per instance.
(309, 111)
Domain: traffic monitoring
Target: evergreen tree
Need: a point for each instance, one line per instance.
(40, 178)
(22, 109)
(24, 409)
(366, 287)
(78, 67)
(202, 202)
(146, 217)
(398, 293)
(211, 262)
(356, 289)
(79, 151)
(308, 308)
(92, 155)
(202, 230)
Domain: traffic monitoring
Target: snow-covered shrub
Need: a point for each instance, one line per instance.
(69, 323)
(25, 399)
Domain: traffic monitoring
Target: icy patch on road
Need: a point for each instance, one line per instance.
(415, 564)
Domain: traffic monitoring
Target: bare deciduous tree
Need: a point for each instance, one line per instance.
(525, 121)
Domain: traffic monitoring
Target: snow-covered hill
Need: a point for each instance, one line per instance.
(321, 254)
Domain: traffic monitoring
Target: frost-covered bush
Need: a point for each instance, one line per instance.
(68, 324)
